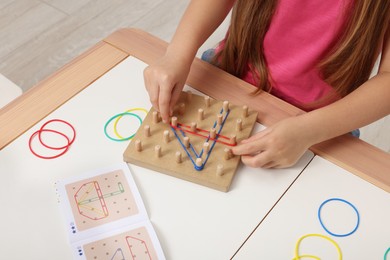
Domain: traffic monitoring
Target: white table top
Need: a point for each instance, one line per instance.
(191, 221)
(296, 215)
(8, 91)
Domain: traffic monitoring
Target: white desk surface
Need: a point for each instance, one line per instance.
(8, 91)
(191, 221)
(296, 215)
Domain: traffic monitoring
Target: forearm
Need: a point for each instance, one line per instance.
(368, 103)
(199, 21)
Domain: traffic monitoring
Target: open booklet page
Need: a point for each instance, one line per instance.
(105, 216)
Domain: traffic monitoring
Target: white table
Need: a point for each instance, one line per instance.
(296, 215)
(191, 221)
(8, 91)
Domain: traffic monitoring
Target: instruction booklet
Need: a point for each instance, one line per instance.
(106, 218)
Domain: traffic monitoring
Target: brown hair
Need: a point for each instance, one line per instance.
(347, 65)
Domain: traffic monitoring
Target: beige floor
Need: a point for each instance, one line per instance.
(39, 36)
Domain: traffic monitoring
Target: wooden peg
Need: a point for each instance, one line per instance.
(138, 145)
(227, 153)
(147, 131)
(207, 101)
(206, 148)
(239, 125)
(193, 127)
(182, 108)
(233, 139)
(225, 106)
(157, 151)
(156, 117)
(178, 157)
(220, 170)
(219, 119)
(199, 162)
(244, 111)
(186, 141)
(174, 121)
(166, 136)
(200, 114)
(213, 133)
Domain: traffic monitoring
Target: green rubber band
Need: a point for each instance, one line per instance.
(119, 117)
(116, 116)
(387, 252)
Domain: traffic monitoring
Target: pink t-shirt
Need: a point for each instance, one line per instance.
(300, 34)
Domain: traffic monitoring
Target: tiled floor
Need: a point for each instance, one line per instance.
(37, 37)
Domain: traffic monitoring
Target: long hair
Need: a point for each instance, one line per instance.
(347, 65)
(243, 43)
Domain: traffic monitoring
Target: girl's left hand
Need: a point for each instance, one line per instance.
(278, 146)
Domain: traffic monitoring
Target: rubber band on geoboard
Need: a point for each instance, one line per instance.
(346, 202)
(64, 148)
(298, 256)
(117, 117)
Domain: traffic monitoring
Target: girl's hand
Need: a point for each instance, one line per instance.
(164, 81)
(278, 146)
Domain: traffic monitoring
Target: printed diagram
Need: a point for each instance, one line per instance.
(101, 199)
(118, 255)
(132, 245)
(91, 202)
(138, 247)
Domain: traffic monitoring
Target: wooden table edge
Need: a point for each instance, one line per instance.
(26, 110)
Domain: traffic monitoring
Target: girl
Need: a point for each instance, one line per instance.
(314, 54)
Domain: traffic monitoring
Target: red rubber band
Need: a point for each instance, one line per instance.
(205, 136)
(47, 157)
(56, 148)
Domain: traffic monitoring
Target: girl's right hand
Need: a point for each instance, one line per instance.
(164, 81)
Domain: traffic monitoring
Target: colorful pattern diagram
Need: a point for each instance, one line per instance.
(131, 245)
(100, 200)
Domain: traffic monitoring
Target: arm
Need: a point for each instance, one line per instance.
(282, 144)
(165, 79)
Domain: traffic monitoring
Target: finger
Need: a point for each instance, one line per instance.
(152, 89)
(175, 97)
(255, 137)
(270, 165)
(257, 161)
(153, 96)
(253, 147)
(164, 101)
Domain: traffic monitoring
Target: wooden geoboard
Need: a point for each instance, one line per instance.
(179, 148)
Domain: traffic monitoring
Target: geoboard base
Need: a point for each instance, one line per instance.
(186, 169)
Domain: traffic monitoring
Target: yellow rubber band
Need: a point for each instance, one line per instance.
(119, 117)
(307, 256)
(297, 256)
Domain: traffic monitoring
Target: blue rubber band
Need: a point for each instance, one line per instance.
(215, 141)
(185, 149)
(346, 202)
(116, 116)
(199, 168)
